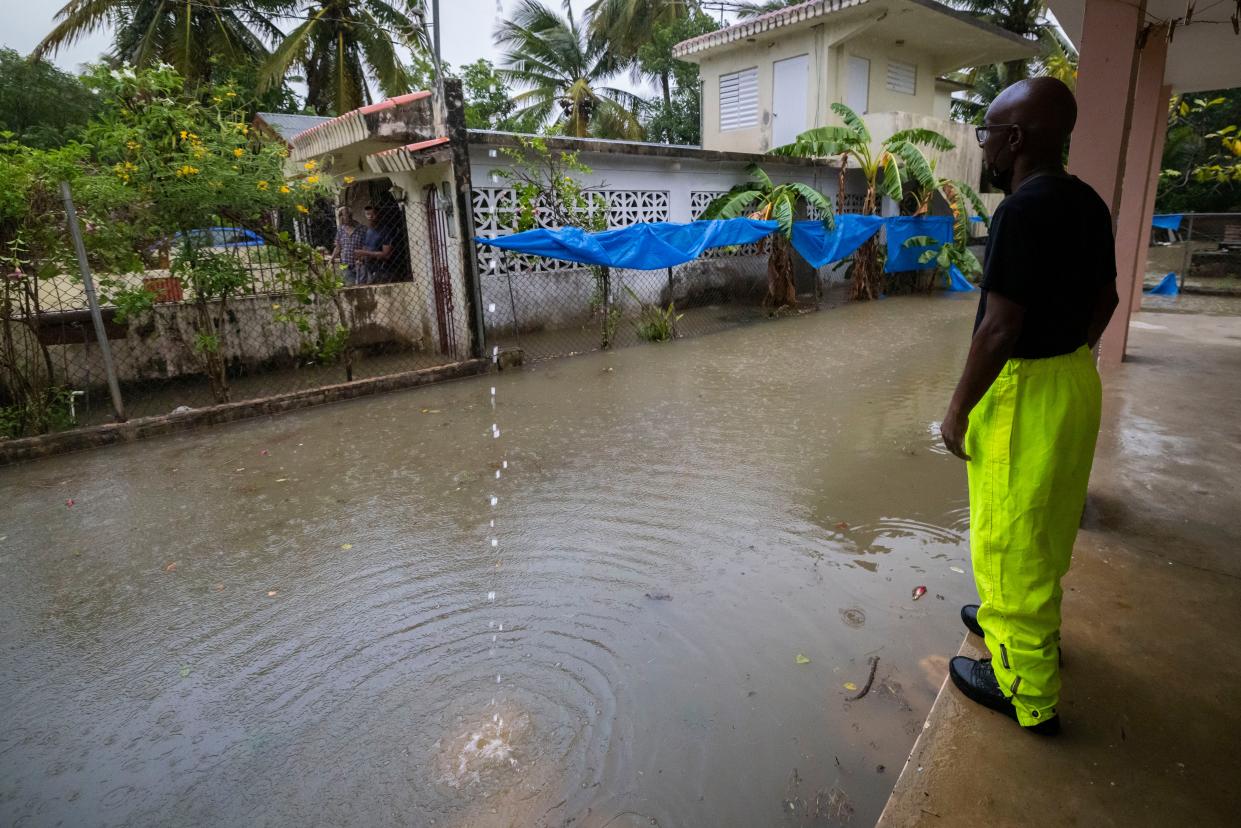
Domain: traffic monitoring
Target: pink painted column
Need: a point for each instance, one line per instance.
(1106, 80)
(1137, 201)
(1152, 186)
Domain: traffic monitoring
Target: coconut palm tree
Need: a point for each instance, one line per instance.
(563, 71)
(882, 168)
(627, 25)
(342, 44)
(762, 198)
(194, 36)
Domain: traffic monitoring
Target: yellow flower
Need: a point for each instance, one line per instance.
(238, 152)
(275, 307)
(349, 179)
(187, 170)
(311, 164)
(262, 185)
(301, 208)
(312, 179)
(184, 135)
(133, 145)
(230, 94)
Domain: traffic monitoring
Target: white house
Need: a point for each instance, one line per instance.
(769, 78)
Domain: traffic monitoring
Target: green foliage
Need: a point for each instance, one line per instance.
(197, 39)
(209, 275)
(764, 199)
(53, 411)
(655, 324)
(562, 72)
(1201, 164)
(41, 105)
(675, 116)
(548, 193)
(487, 102)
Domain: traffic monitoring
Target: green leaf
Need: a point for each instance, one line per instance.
(820, 142)
(916, 165)
(820, 202)
(782, 212)
(920, 241)
(801, 659)
(853, 121)
(733, 204)
(975, 202)
(922, 138)
(891, 183)
(761, 178)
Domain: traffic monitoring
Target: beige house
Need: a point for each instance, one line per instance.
(769, 78)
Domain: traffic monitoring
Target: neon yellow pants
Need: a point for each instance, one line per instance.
(1031, 441)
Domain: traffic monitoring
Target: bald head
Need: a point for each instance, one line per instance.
(1045, 110)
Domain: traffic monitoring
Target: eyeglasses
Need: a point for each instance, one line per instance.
(982, 133)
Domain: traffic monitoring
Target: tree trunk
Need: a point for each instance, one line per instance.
(663, 81)
(781, 290)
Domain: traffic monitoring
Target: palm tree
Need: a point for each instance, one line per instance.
(1029, 19)
(190, 35)
(562, 70)
(762, 198)
(341, 44)
(745, 10)
(881, 169)
(627, 25)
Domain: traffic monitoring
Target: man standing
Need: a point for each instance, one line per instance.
(349, 239)
(378, 248)
(1025, 414)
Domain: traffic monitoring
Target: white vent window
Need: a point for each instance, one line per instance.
(739, 99)
(902, 77)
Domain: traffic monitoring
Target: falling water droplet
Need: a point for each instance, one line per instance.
(495, 542)
(494, 500)
(501, 628)
(497, 474)
(496, 434)
(497, 679)
(493, 390)
(504, 463)
(493, 523)
(491, 596)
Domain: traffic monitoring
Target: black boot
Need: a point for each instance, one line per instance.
(976, 680)
(969, 617)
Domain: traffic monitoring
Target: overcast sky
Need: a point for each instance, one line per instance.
(466, 37)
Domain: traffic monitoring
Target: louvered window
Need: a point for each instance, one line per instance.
(902, 77)
(739, 99)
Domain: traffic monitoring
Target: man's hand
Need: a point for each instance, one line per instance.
(953, 431)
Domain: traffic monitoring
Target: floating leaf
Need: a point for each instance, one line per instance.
(185, 670)
(346, 546)
(172, 567)
(848, 685)
(801, 659)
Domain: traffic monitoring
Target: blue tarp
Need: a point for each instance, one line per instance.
(957, 281)
(903, 228)
(1166, 287)
(651, 246)
(1167, 221)
(820, 246)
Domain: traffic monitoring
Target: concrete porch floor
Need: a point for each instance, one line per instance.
(1152, 621)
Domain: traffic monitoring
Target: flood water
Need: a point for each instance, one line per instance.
(304, 620)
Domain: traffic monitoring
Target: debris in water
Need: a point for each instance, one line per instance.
(848, 685)
(70, 502)
(272, 593)
(842, 526)
(494, 500)
(874, 664)
(185, 670)
(495, 542)
(172, 567)
(491, 596)
(219, 587)
(264, 453)
(659, 596)
(957, 570)
(346, 546)
(801, 659)
(879, 768)
(919, 591)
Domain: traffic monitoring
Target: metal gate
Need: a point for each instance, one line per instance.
(441, 278)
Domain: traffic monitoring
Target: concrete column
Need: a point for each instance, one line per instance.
(1106, 81)
(1152, 186)
(1137, 198)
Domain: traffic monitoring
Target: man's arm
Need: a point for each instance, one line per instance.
(990, 348)
(1104, 306)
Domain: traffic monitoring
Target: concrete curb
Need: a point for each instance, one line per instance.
(45, 445)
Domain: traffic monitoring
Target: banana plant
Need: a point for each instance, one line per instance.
(885, 168)
(965, 203)
(762, 198)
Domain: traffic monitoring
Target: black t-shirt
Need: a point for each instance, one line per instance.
(1050, 249)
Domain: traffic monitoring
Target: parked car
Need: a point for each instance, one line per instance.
(213, 238)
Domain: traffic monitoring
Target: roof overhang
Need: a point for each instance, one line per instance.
(956, 38)
(1206, 54)
(396, 121)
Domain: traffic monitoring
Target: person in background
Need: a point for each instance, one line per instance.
(1025, 414)
(379, 247)
(350, 237)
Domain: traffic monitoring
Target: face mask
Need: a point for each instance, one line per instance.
(1000, 179)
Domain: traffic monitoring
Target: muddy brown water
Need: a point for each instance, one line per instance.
(290, 621)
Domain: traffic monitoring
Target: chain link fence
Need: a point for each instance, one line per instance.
(551, 308)
(1204, 252)
(221, 315)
